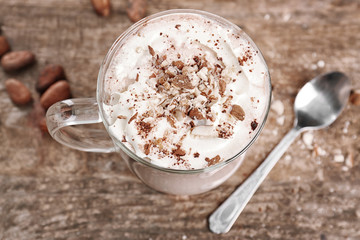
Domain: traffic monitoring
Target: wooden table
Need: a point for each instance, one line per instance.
(48, 191)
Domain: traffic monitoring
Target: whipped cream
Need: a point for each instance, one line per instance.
(185, 92)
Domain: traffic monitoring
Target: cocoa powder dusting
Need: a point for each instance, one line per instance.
(245, 58)
(241, 61)
(144, 127)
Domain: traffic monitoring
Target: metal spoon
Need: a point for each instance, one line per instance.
(317, 105)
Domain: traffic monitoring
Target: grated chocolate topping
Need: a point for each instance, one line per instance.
(182, 95)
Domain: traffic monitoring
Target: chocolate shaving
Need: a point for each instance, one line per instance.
(170, 73)
(166, 85)
(222, 87)
(213, 161)
(159, 143)
(148, 114)
(152, 75)
(210, 117)
(217, 66)
(160, 115)
(198, 62)
(225, 130)
(203, 64)
(196, 59)
(238, 112)
(203, 94)
(179, 152)
(182, 81)
(137, 78)
(132, 118)
(124, 139)
(212, 98)
(254, 124)
(121, 117)
(177, 26)
(161, 81)
(159, 60)
(178, 64)
(147, 148)
(196, 155)
(171, 120)
(151, 50)
(196, 114)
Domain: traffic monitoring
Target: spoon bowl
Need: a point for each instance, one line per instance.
(316, 106)
(321, 100)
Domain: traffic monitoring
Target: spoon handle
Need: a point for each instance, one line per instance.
(222, 219)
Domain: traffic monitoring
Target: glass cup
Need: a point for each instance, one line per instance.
(63, 116)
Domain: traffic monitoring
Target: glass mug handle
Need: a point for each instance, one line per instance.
(63, 115)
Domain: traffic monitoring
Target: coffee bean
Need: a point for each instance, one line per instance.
(136, 9)
(18, 92)
(101, 7)
(50, 74)
(56, 92)
(42, 125)
(4, 46)
(16, 60)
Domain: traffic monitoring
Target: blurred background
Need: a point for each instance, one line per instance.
(48, 191)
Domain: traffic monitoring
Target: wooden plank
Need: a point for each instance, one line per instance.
(48, 191)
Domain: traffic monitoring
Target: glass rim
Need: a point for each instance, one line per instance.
(117, 44)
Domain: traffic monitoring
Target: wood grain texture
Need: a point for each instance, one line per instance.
(48, 191)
